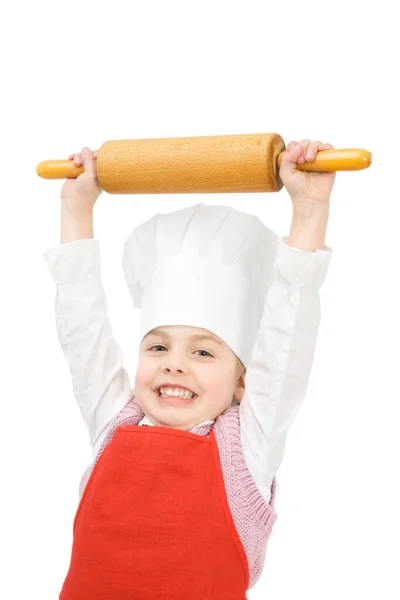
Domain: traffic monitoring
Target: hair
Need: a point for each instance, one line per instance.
(242, 369)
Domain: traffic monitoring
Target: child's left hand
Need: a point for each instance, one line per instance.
(306, 189)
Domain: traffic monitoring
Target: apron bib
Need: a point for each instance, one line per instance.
(154, 523)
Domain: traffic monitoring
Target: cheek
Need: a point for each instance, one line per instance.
(144, 374)
(218, 384)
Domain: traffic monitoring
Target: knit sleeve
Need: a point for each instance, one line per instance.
(100, 382)
(278, 374)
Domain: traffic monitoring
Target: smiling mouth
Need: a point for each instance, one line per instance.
(174, 399)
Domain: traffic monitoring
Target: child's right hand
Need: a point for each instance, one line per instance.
(80, 194)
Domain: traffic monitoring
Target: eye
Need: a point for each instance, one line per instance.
(159, 346)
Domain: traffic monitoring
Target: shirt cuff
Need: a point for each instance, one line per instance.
(74, 261)
(297, 268)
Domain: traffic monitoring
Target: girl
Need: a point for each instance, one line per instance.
(184, 507)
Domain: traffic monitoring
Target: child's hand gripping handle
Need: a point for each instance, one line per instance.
(231, 163)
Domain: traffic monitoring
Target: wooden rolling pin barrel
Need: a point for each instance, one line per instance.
(205, 164)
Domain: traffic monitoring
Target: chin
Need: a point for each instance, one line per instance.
(174, 416)
(168, 416)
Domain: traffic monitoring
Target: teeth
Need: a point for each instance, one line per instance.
(166, 392)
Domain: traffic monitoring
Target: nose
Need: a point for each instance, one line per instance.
(173, 364)
(172, 369)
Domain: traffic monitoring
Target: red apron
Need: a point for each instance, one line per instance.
(154, 523)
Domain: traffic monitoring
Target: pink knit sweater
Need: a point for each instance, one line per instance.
(252, 515)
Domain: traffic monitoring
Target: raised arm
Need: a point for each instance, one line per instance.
(278, 374)
(279, 371)
(99, 381)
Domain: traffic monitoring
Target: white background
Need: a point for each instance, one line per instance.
(82, 73)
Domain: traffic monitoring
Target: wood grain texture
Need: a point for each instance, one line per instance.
(224, 163)
(203, 164)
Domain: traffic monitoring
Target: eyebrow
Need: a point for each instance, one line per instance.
(198, 336)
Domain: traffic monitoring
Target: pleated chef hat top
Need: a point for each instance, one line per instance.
(203, 266)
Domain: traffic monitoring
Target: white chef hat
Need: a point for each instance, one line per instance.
(202, 266)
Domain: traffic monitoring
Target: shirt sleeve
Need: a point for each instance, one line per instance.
(100, 383)
(278, 373)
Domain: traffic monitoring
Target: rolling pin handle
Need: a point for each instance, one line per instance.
(58, 169)
(347, 159)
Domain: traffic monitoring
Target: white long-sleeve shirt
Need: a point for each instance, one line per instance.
(277, 375)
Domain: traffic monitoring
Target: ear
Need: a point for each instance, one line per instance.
(240, 389)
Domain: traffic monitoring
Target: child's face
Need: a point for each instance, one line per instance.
(207, 367)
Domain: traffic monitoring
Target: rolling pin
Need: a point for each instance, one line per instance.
(205, 164)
